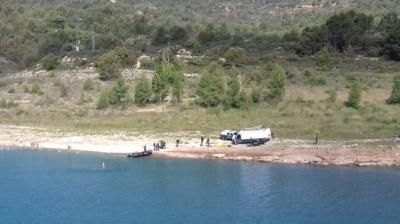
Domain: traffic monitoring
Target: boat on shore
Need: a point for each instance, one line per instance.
(140, 154)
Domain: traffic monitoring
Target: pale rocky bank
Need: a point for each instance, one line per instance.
(362, 153)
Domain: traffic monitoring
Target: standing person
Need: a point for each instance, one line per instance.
(201, 141)
(144, 147)
(154, 146)
(208, 142)
(177, 143)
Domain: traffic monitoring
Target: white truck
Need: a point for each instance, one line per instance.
(227, 134)
(253, 136)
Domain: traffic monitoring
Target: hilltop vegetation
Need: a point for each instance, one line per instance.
(334, 75)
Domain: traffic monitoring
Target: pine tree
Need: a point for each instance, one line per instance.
(142, 92)
(354, 95)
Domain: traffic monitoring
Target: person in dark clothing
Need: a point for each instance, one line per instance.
(154, 146)
(201, 141)
(208, 142)
(177, 143)
(144, 147)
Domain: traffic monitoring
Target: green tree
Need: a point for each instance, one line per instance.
(161, 36)
(160, 81)
(395, 96)
(50, 62)
(108, 66)
(235, 56)
(211, 88)
(104, 100)
(119, 93)
(354, 98)
(392, 44)
(177, 81)
(277, 84)
(142, 92)
(232, 98)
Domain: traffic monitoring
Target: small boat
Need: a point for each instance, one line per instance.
(140, 154)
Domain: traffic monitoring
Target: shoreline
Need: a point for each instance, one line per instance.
(356, 153)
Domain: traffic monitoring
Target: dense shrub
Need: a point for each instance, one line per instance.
(395, 95)
(142, 92)
(354, 98)
(50, 62)
(211, 88)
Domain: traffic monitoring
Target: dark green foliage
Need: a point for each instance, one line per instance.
(277, 84)
(161, 36)
(232, 98)
(312, 40)
(392, 44)
(178, 34)
(235, 56)
(348, 29)
(395, 95)
(211, 88)
(354, 99)
(108, 66)
(142, 92)
(50, 62)
(256, 95)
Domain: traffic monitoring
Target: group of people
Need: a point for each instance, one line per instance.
(159, 145)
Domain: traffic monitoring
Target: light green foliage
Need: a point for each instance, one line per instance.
(354, 98)
(108, 66)
(7, 103)
(119, 93)
(50, 62)
(160, 82)
(211, 88)
(395, 95)
(177, 81)
(142, 92)
(233, 98)
(277, 84)
(88, 85)
(35, 89)
(104, 100)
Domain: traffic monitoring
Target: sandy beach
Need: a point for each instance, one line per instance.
(378, 152)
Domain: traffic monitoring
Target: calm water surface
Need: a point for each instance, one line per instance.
(51, 187)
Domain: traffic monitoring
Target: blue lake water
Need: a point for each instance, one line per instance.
(51, 187)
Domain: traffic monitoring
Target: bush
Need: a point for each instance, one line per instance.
(104, 100)
(256, 95)
(11, 90)
(35, 89)
(88, 85)
(142, 92)
(7, 104)
(235, 56)
(108, 66)
(332, 95)
(395, 95)
(49, 62)
(318, 80)
(354, 95)
(119, 93)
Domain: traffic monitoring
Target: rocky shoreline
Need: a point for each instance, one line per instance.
(360, 153)
(359, 156)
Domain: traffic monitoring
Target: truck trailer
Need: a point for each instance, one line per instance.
(254, 136)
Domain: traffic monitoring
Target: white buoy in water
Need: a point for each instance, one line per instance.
(103, 166)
